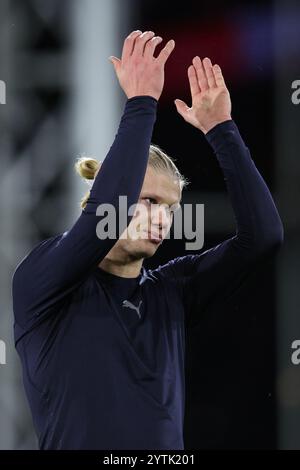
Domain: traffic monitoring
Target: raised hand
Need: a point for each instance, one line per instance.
(211, 102)
(138, 71)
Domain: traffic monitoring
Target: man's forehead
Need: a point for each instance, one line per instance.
(164, 187)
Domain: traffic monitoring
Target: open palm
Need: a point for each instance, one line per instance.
(211, 102)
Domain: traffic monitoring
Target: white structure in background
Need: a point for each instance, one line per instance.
(97, 98)
(2, 352)
(2, 92)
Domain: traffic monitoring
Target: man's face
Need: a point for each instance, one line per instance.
(159, 198)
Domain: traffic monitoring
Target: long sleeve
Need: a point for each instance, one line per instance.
(58, 265)
(258, 225)
(206, 276)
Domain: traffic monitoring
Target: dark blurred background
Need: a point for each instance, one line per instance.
(63, 100)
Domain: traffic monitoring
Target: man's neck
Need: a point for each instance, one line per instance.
(128, 270)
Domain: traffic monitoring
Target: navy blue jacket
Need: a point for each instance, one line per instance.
(102, 375)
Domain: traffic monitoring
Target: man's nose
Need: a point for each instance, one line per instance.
(160, 216)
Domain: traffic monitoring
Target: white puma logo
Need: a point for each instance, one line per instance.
(126, 303)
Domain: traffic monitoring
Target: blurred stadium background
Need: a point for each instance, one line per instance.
(63, 100)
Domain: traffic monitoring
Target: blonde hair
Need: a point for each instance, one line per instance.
(88, 168)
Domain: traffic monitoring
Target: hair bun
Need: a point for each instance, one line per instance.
(87, 167)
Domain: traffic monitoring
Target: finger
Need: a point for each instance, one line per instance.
(129, 44)
(140, 43)
(151, 45)
(194, 85)
(218, 75)
(202, 80)
(209, 72)
(181, 107)
(116, 62)
(165, 52)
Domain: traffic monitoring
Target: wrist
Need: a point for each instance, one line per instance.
(210, 125)
(142, 99)
(138, 95)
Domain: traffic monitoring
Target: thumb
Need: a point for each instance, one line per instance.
(181, 107)
(115, 61)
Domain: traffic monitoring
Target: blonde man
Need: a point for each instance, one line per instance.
(102, 339)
